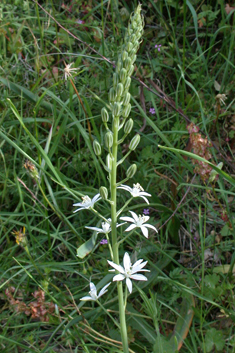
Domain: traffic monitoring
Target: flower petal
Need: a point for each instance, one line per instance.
(150, 226)
(132, 226)
(126, 261)
(78, 209)
(125, 187)
(127, 219)
(87, 298)
(139, 277)
(117, 267)
(118, 277)
(144, 231)
(146, 200)
(129, 284)
(96, 198)
(104, 290)
(96, 229)
(134, 215)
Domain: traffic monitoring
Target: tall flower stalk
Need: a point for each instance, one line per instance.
(120, 108)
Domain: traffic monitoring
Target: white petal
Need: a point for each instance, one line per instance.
(150, 226)
(78, 209)
(96, 198)
(127, 219)
(78, 204)
(138, 277)
(104, 290)
(126, 261)
(118, 277)
(129, 284)
(146, 200)
(86, 298)
(143, 193)
(117, 267)
(132, 226)
(144, 231)
(125, 187)
(134, 215)
(96, 229)
(92, 287)
(139, 267)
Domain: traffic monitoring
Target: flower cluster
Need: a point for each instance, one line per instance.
(200, 147)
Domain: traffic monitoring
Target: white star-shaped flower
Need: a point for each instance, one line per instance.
(68, 70)
(137, 191)
(106, 227)
(93, 292)
(138, 222)
(129, 271)
(87, 202)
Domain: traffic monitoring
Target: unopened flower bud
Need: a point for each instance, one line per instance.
(133, 58)
(126, 99)
(103, 192)
(119, 90)
(128, 126)
(131, 70)
(104, 115)
(97, 148)
(115, 80)
(124, 55)
(133, 38)
(112, 95)
(134, 142)
(127, 84)
(116, 109)
(119, 66)
(122, 75)
(129, 30)
(129, 46)
(109, 161)
(131, 171)
(108, 139)
(127, 64)
(126, 111)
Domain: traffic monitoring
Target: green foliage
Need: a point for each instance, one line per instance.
(214, 339)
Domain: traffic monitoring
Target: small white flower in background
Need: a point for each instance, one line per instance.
(68, 71)
(138, 222)
(93, 292)
(129, 271)
(106, 227)
(87, 202)
(137, 191)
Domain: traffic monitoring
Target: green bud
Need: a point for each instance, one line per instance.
(122, 75)
(104, 115)
(129, 46)
(97, 148)
(126, 111)
(134, 142)
(109, 161)
(131, 70)
(124, 55)
(127, 84)
(129, 30)
(128, 126)
(112, 95)
(108, 139)
(115, 80)
(126, 98)
(133, 38)
(131, 171)
(127, 63)
(119, 90)
(103, 192)
(133, 58)
(119, 65)
(116, 109)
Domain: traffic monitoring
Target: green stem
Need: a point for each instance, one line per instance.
(113, 186)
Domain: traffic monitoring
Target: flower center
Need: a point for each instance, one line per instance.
(86, 200)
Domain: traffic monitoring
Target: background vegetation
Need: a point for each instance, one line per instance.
(47, 164)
